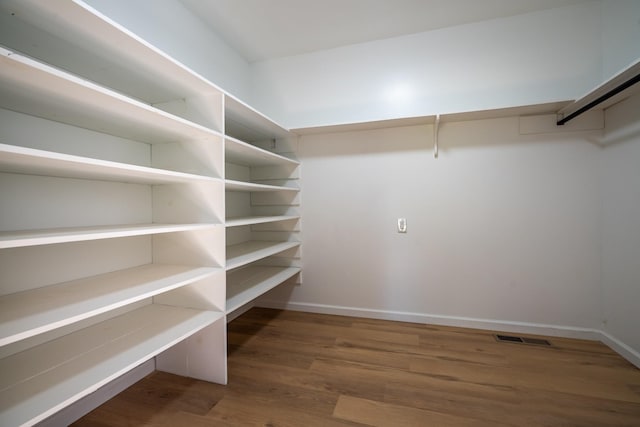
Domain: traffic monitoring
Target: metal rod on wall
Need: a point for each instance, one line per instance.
(613, 87)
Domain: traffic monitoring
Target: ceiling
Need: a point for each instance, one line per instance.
(267, 29)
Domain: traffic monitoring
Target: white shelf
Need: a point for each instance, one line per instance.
(241, 153)
(38, 89)
(623, 76)
(250, 220)
(523, 110)
(38, 382)
(28, 313)
(16, 239)
(246, 284)
(248, 252)
(118, 58)
(15, 159)
(231, 185)
(247, 124)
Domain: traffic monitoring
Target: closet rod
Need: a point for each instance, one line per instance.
(616, 90)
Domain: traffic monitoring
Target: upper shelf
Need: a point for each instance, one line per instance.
(241, 153)
(17, 239)
(523, 110)
(74, 36)
(15, 159)
(247, 124)
(34, 88)
(616, 89)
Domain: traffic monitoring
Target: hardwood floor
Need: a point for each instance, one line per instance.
(299, 369)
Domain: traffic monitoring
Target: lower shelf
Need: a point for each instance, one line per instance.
(38, 382)
(28, 313)
(246, 284)
(248, 252)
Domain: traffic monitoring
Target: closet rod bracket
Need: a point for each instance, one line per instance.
(436, 126)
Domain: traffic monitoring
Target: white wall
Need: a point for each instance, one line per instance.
(501, 227)
(621, 224)
(533, 58)
(168, 25)
(620, 35)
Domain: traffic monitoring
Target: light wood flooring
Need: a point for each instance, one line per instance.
(299, 369)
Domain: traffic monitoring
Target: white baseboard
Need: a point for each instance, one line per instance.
(466, 322)
(78, 409)
(621, 348)
(436, 319)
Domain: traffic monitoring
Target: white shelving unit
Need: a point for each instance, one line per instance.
(262, 199)
(40, 381)
(131, 191)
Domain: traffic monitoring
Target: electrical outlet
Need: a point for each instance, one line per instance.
(402, 225)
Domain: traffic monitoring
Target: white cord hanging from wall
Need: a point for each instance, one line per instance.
(436, 125)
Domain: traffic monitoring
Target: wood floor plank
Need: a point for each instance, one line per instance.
(380, 414)
(152, 400)
(319, 402)
(448, 399)
(272, 353)
(465, 371)
(303, 369)
(304, 330)
(551, 408)
(242, 412)
(551, 379)
(366, 351)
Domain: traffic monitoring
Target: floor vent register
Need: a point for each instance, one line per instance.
(521, 340)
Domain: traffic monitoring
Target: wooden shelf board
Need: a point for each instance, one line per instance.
(16, 239)
(231, 185)
(248, 252)
(38, 89)
(246, 284)
(44, 379)
(239, 221)
(241, 153)
(15, 159)
(28, 313)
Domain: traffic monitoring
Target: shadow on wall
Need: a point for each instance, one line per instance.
(623, 124)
